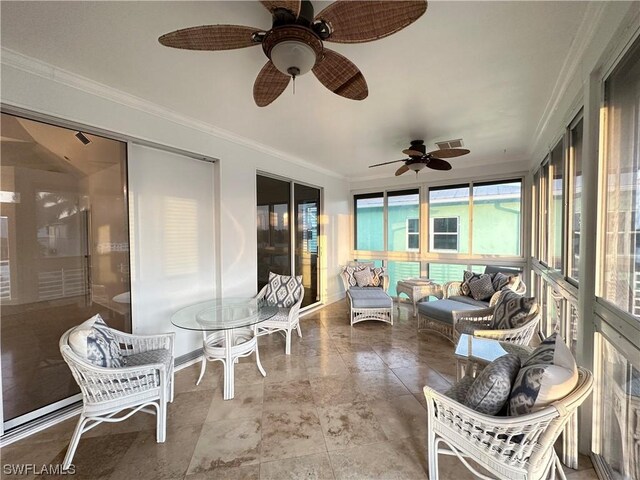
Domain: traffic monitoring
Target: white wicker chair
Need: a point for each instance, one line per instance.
(148, 382)
(510, 448)
(286, 320)
(360, 314)
(520, 336)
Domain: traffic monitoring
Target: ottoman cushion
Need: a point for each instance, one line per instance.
(441, 309)
(370, 298)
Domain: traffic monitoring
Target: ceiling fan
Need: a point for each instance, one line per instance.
(420, 158)
(294, 44)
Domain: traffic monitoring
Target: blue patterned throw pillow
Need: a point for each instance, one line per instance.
(94, 341)
(512, 310)
(283, 291)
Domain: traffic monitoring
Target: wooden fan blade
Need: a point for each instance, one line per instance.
(438, 164)
(341, 76)
(292, 5)
(387, 163)
(449, 152)
(412, 153)
(269, 84)
(364, 21)
(401, 170)
(210, 37)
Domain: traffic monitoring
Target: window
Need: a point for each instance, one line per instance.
(575, 197)
(449, 219)
(621, 182)
(401, 271)
(402, 206)
(497, 218)
(556, 210)
(369, 221)
(413, 234)
(445, 234)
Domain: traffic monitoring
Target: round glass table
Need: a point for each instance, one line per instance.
(229, 331)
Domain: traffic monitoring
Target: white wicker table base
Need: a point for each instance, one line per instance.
(227, 347)
(416, 291)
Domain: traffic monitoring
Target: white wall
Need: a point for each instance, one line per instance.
(32, 85)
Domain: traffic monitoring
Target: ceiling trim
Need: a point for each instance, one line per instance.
(42, 69)
(586, 31)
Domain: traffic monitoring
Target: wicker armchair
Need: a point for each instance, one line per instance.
(286, 320)
(146, 382)
(520, 336)
(513, 448)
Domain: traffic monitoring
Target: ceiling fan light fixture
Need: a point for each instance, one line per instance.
(416, 167)
(293, 57)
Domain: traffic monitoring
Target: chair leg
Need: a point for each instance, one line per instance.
(161, 421)
(287, 350)
(264, 374)
(73, 444)
(299, 331)
(203, 367)
(558, 468)
(432, 446)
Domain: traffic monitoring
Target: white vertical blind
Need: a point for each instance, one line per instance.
(172, 239)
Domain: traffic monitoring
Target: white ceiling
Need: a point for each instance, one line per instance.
(483, 71)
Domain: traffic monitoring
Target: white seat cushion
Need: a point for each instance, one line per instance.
(150, 357)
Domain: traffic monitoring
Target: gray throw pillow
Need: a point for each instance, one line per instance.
(466, 277)
(481, 288)
(511, 310)
(364, 277)
(490, 390)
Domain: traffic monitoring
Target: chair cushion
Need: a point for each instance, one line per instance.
(481, 287)
(548, 375)
(281, 316)
(349, 271)
(441, 309)
(468, 327)
(469, 301)
(512, 310)
(370, 298)
(364, 277)
(150, 357)
(458, 391)
(490, 390)
(93, 341)
(283, 291)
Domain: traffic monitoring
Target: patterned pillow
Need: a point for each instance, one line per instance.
(514, 282)
(548, 375)
(94, 341)
(283, 291)
(499, 281)
(364, 277)
(350, 271)
(466, 277)
(490, 390)
(481, 288)
(378, 273)
(511, 310)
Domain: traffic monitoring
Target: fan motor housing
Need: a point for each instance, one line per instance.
(296, 33)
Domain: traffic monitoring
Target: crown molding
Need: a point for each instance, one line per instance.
(586, 31)
(30, 65)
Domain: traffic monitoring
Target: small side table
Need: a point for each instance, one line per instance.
(472, 351)
(417, 289)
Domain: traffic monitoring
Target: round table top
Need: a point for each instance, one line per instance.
(222, 314)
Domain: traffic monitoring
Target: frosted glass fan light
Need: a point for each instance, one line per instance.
(293, 58)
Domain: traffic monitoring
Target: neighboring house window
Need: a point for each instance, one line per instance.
(413, 234)
(445, 234)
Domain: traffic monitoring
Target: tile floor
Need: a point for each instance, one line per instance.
(347, 404)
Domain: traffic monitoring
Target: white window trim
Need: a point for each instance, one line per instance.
(408, 233)
(433, 233)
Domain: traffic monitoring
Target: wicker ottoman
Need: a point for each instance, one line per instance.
(369, 303)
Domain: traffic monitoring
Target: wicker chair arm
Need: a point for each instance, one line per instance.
(451, 289)
(521, 335)
(132, 344)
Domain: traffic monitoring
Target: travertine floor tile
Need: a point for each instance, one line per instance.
(291, 433)
(350, 424)
(312, 467)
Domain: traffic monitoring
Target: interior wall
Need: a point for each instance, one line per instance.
(38, 87)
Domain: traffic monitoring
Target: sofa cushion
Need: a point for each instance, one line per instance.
(467, 276)
(512, 310)
(364, 277)
(441, 309)
(283, 291)
(481, 287)
(548, 375)
(370, 298)
(469, 301)
(490, 390)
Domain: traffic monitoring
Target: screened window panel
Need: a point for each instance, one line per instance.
(369, 222)
(449, 213)
(497, 218)
(556, 210)
(575, 156)
(401, 271)
(402, 206)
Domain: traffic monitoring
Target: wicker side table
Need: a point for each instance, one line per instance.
(417, 289)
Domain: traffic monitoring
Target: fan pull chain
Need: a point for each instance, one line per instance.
(294, 84)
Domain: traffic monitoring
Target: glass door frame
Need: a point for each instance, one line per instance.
(293, 227)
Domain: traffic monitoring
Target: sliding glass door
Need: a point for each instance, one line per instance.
(278, 202)
(64, 255)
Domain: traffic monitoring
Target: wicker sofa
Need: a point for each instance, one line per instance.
(440, 316)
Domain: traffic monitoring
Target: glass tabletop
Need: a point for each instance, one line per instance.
(222, 314)
(479, 348)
